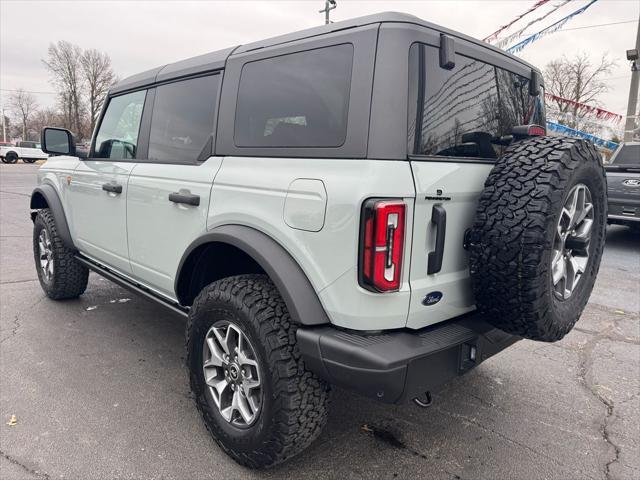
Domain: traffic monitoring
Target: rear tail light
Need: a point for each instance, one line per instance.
(537, 130)
(382, 244)
(521, 131)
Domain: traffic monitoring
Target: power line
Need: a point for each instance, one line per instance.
(598, 25)
(28, 91)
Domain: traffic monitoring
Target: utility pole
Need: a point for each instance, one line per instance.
(4, 127)
(632, 113)
(328, 6)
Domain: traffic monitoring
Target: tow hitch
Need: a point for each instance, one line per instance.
(424, 403)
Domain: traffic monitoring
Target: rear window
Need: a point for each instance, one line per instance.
(464, 112)
(295, 100)
(627, 155)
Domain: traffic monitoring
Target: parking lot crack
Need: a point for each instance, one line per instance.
(586, 362)
(12, 460)
(488, 429)
(17, 320)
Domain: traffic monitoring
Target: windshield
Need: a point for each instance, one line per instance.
(627, 154)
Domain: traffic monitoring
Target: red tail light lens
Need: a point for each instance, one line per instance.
(382, 244)
(537, 130)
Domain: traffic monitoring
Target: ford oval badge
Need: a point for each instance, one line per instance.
(431, 298)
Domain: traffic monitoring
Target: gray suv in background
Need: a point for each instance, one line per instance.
(623, 181)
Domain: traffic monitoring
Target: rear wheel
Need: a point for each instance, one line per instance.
(10, 157)
(538, 237)
(61, 275)
(257, 399)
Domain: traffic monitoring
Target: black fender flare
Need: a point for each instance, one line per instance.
(54, 204)
(297, 292)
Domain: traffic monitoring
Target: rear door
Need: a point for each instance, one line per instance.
(169, 192)
(456, 118)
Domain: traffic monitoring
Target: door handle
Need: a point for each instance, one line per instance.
(439, 219)
(186, 198)
(112, 187)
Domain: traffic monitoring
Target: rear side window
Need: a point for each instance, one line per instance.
(517, 107)
(463, 112)
(456, 113)
(117, 138)
(182, 120)
(628, 154)
(295, 100)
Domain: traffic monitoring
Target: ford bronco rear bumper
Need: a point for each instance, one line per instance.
(397, 366)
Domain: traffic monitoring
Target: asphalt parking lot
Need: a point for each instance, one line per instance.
(99, 390)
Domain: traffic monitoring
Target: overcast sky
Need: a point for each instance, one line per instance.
(142, 35)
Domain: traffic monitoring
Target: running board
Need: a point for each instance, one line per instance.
(134, 287)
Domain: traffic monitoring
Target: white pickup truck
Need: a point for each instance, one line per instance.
(29, 152)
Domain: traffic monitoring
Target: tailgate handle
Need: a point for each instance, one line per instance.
(439, 219)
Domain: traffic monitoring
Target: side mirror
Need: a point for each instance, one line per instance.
(58, 141)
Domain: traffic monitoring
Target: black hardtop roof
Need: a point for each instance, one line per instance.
(216, 60)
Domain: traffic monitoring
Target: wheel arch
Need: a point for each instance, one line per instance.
(246, 250)
(45, 196)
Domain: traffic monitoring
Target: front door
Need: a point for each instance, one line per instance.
(98, 187)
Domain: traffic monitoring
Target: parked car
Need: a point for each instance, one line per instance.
(623, 180)
(6, 144)
(371, 204)
(29, 152)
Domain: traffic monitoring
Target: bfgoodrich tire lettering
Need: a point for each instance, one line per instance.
(294, 400)
(512, 239)
(67, 278)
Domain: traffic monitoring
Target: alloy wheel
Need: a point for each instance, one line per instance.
(232, 374)
(570, 254)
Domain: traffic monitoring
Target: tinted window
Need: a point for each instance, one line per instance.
(295, 100)
(117, 137)
(182, 121)
(628, 154)
(457, 110)
(517, 107)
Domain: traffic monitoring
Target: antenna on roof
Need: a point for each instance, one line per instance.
(328, 6)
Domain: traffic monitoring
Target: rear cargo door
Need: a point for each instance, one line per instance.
(454, 131)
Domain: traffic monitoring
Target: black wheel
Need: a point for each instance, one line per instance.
(538, 236)
(257, 399)
(10, 157)
(61, 275)
(28, 160)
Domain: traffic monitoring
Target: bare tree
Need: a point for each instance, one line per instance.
(99, 77)
(23, 105)
(579, 80)
(63, 62)
(47, 117)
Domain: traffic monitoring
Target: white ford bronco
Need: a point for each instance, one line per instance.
(371, 204)
(29, 152)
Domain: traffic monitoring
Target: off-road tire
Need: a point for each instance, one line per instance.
(295, 401)
(70, 277)
(512, 237)
(10, 157)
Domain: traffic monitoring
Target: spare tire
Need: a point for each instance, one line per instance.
(537, 240)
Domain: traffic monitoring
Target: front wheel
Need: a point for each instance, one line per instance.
(257, 399)
(61, 275)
